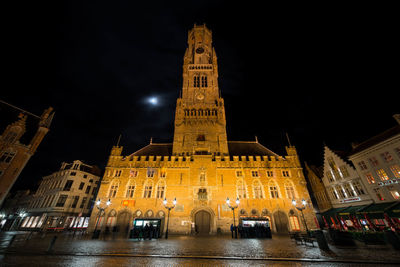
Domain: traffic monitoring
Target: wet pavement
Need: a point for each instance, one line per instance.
(182, 251)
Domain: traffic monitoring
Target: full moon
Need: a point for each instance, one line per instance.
(153, 100)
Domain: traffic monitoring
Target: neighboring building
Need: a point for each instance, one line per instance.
(378, 162)
(342, 182)
(319, 193)
(201, 168)
(64, 199)
(14, 154)
(14, 209)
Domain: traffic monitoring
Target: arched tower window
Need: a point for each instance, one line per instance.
(196, 81)
(204, 81)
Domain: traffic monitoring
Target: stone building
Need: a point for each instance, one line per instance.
(319, 193)
(378, 162)
(64, 199)
(201, 168)
(15, 154)
(342, 181)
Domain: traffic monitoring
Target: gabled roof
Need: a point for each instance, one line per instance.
(248, 148)
(236, 148)
(377, 139)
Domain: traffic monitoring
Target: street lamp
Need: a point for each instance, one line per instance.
(165, 202)
(101, 210)
(301, 209)
(233, 212)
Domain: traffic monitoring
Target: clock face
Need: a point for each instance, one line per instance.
(199, 50)
(200, 96)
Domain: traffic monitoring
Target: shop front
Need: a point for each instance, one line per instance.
(250, 227)
(146, 228)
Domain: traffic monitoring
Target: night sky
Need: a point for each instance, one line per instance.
(320, 73)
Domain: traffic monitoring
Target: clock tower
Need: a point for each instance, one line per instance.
(200, 126)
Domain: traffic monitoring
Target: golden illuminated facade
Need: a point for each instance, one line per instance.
(201, 168)
(14, 154)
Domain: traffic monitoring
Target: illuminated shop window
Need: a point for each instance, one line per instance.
(395, 194)
(294, 223)
(395, 170)
(382, 174)
(370, 178)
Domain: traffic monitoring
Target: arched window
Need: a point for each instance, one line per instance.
(130, 189)
(273, 189)
(203, 81)
(241, 189)
(257, 189)
(289, 188)
(161, 189)
(148, 188)
(113, 189)
(196, 81)
(7, 156)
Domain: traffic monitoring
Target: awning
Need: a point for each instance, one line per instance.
(376, 211)
(351, 210)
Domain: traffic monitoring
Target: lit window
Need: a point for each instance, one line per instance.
(370, 178)
(340, 191)
(396, 170)
(294, 223)
(343, 171)
(333, 193)
(161, 190)
(395, 194)
(330, 177)
(358, 188)
(349, 190)
(133, 173)
(382, 174)
(148, 188)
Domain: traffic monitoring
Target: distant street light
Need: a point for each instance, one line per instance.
(301, 209)
(165, 202)
(233, 212)
(101, 210)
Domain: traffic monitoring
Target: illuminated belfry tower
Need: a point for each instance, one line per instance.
(200, 126)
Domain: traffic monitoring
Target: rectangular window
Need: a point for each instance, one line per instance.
(382, 174)
(254, 173)
(87, 189)
(160, 192)
(150, 173)
(329, 176)
(285, 173)
(130, 191)
(147, 191)
(358, 188)
(7, 156)
(333, 193)
(113, 191)
(349, 190)
(386, 156)
(68, 185)
(83, 202)
(362, 165)
(239, 174)
(340, 191)
(294, 223)
(395, 170)
(274, 192)
(72, 174)
(61, 200)
(163, 174)
(81, 186)
(370, 178)
(75, 202)
(343, 171)
(133, 173)
(374, 162)
(117, 173)
(395, 194)
(270, 173)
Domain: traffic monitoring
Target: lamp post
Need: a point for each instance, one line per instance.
(301, 209)
(165, 202)
(101, 210)
(233, 212)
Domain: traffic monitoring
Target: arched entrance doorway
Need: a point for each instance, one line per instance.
(281, 222)
(123, 223)
(202, 221)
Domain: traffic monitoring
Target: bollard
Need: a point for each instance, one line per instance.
(51, 245)
(11, 241)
